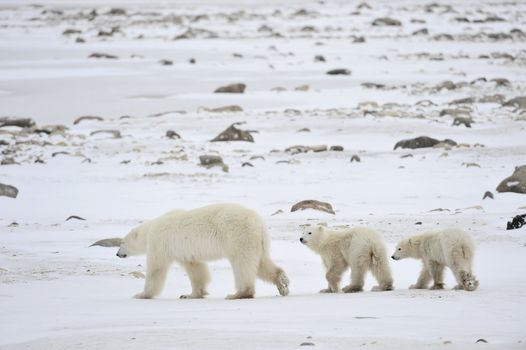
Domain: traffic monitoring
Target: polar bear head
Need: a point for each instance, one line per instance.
(134, 243)
(313, 236)
(406, 248)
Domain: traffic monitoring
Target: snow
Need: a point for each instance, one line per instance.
(56, 292)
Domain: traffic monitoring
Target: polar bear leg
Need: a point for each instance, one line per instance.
(199, 276)
(334, 276)
(423, 279)
(155, 278)
(245, 270)
(269, 272)
(437, 273)
(461, 261)
(358, 271)
(382, 273)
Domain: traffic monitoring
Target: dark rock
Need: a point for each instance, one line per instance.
(355, 158)
(501, 82)
(358, 39)
(462, 120)
(319, 58)
(116, 133)
(172, 135)
(165, 62)
(368, 85)
(210, 161)
(8, 191)
(224, 109)
(461, 101)
(110, 32)
(517, 222)
(514, 183)
(231, 89)
(76, 217)
(80, 40)
(8, 161)
(247, 164)
(102, 55)
(386, 21)
(488, 194)
(481, 340)
(423, 31)
(518, 102)
(234, 134)
(71, 31)
(422, 142)
(339, 71)
(87, 117)
(116, 12)
(336, 148)
(192, 61)
(313, 204)
(20, 122)
(447, 84)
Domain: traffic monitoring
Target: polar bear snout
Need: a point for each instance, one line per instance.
(121, 255)
(302, 240)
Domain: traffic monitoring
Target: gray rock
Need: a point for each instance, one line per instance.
(422, 142)
(102, 55)
(87, 117)
(514, 183)
(234, 134)
(20, 122)
(386, 21)
(339, 71)
(238, 88)
(108, 242)
(313, 204)
(8, 191)
(518, 102)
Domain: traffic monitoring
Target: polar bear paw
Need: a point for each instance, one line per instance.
(437, 286)
(352, 289)
(142, 295)
(417, 286)
(383, 288)
(192, 296)
(283, 285)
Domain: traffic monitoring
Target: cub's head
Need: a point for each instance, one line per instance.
(406, 248)
(312, 235)
(133, 244)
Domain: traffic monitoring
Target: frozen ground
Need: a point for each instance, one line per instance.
(56, 293)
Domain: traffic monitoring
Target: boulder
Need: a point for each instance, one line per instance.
(514, 183)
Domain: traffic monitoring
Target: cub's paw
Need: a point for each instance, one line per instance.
(142, 295)
(353, 289)
(283, 285)
(192, 296)
(437, 286)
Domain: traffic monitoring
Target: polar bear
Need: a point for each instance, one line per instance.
(193, 237)
(453, 248)
(362, 249)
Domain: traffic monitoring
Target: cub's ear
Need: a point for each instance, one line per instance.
(320, 228)
(410, 241)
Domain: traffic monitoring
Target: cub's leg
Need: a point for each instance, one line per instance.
(437, 273)
(423, 279)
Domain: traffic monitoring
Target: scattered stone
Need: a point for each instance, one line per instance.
(304, 130)
(279, 211)
(210, 161)
(368, 85)
(517, 222)
(514, 183)
(75, 217)
(257, 157)
(418, 223)
(501, 82)
(20, 122)
(355, 158)
(488, 194)
(313, 204)
(108, 242)
(238, 88)
(481, 340)
(339, 71)
(466, 100)
(224, 109)
(386, 21)
(422, 142)
(423, 31)
(358, 39)
(138, 274)
(247, 164)
(447, 84)
(302, 88)
(307, 343)
(172, 135)
(116, 133)
(234, 134)
(8, 161)
(59, 153)
(462, 120)
(102, 55)
(319, 58)
(470, 165)
(8, 191)
(496, 98)
(87, 117)
(80, 40)
(518, 102)
(192, 61)
(71, 31)
(409, 155)
(192, 33)
(336, 148)
(304, 149)
(166, 62)
(116, 12)
(110, 32)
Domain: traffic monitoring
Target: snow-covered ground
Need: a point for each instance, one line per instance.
(58, 293)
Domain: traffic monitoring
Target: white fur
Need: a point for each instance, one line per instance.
(194, 237)
(360, 248)
(453, 248)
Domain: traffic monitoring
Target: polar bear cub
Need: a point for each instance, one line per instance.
(193, 237)
(453, 248)
(360, 248)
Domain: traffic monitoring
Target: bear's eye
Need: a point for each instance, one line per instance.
(310, 233)
(399, 248)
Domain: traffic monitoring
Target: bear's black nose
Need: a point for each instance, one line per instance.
(301, 239)
(393, 257)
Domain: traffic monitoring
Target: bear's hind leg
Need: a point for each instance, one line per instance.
(269, 272)
(382, 273)
(155, 278)
(358, 272)
(245, 271)
(199, 276)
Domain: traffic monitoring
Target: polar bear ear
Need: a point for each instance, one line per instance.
(410, 242)
(320, 228)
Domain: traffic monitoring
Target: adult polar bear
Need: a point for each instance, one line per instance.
(196, 236)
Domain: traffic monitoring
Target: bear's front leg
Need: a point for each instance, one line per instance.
(437, 273)
(423, 279)
(199, 278)
(155, 278)
(334, 276)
